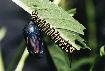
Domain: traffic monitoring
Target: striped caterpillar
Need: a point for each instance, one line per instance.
(50, 32)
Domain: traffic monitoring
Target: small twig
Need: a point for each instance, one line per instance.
(22, 61)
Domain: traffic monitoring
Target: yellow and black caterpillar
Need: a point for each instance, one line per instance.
(50, 32)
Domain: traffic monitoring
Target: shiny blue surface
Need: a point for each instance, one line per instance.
(33, 40)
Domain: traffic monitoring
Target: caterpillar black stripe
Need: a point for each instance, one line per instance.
(54, 35)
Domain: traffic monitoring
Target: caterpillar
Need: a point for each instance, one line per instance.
(33, 40)
(50, 32)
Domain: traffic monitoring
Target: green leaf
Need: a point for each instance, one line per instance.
(81, 62)
(2, 33)
(53, 14)
(62, 21)
(60, 59)
(72, 36)
(102, 51)
(72, 11)
(56, 16)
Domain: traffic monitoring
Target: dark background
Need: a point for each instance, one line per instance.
(14, 18)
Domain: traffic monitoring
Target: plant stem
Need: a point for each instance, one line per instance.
(22, 61)
(90, 11)
(1, 62)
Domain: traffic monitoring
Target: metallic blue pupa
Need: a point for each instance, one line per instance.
(33, 40)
